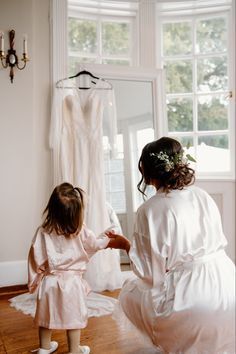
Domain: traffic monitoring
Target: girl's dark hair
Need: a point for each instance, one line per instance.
(154, 168)
(65, 210)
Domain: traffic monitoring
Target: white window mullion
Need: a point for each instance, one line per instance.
(231, 82)
(99, 37)
(212, 132)
(128, 177)
(58, 27)
(195, 97)
(134, 45)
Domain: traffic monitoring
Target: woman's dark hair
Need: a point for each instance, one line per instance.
(65, 210)
(153, 167)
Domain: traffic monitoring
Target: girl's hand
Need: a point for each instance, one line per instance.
(118, 241)
(110, 233)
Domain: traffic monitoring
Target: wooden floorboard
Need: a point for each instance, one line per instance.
(104, 336)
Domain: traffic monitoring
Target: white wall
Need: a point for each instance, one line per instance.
(26, 175)
(25, 178)
(223, 192)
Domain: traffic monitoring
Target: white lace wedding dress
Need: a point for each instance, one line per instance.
(80, 118)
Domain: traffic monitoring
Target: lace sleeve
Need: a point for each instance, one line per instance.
(110, 121)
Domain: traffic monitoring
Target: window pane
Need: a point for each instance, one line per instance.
(180, 114)
(115, 38)
(117, 201)
(143, 136)
(211, 35)
(213, 154)
(212, 74)
(179, 76)
(197, 82)
(186, 141)
(114, 174)
(212, 113)
(75, 61)
(177, 38)
(114, 166)
(107, 148)
(220, 141)
(82, 35)
(115, 182)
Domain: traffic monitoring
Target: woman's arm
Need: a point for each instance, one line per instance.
(118, 241)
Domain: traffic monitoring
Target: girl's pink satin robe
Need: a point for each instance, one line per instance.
(55, 268)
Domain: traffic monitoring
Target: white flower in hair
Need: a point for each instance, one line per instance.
(169, 162)
(162, 156)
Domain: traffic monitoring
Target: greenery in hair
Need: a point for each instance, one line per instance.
(169, 162)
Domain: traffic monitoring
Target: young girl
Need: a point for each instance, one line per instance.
(57, 260)
(183, 298)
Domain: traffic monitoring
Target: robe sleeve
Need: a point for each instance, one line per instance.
(92, 244)
(37, 260)
(148, 260)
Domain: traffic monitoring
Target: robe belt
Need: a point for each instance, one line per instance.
(199, 260)
(63, 271)
(59, 272)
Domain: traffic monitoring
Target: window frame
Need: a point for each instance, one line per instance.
(230, 53)
(99, 19)
(156, 79)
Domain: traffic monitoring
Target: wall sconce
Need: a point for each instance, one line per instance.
(11, 59)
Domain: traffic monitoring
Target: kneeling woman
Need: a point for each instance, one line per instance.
(183, 298)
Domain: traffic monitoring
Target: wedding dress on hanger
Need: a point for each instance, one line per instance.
(76, 139)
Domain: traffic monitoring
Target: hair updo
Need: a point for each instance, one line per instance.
(162, 160)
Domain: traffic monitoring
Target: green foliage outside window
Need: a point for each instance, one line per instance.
(104, 42)
(179, 76)
(186, 141)
(212, 35)
(177, 38)
(212, 113)
(212, 74)
(180, 114)
(115, 38)
(115, 62)
(82, 35)
(74, 63)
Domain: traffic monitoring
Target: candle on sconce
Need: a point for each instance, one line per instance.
(25, 44)
(2, 41)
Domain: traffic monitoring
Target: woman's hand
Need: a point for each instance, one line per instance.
(118, 241)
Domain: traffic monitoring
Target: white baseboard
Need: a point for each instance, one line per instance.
(13, 273)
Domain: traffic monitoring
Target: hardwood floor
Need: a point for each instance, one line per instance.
(103, 335)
